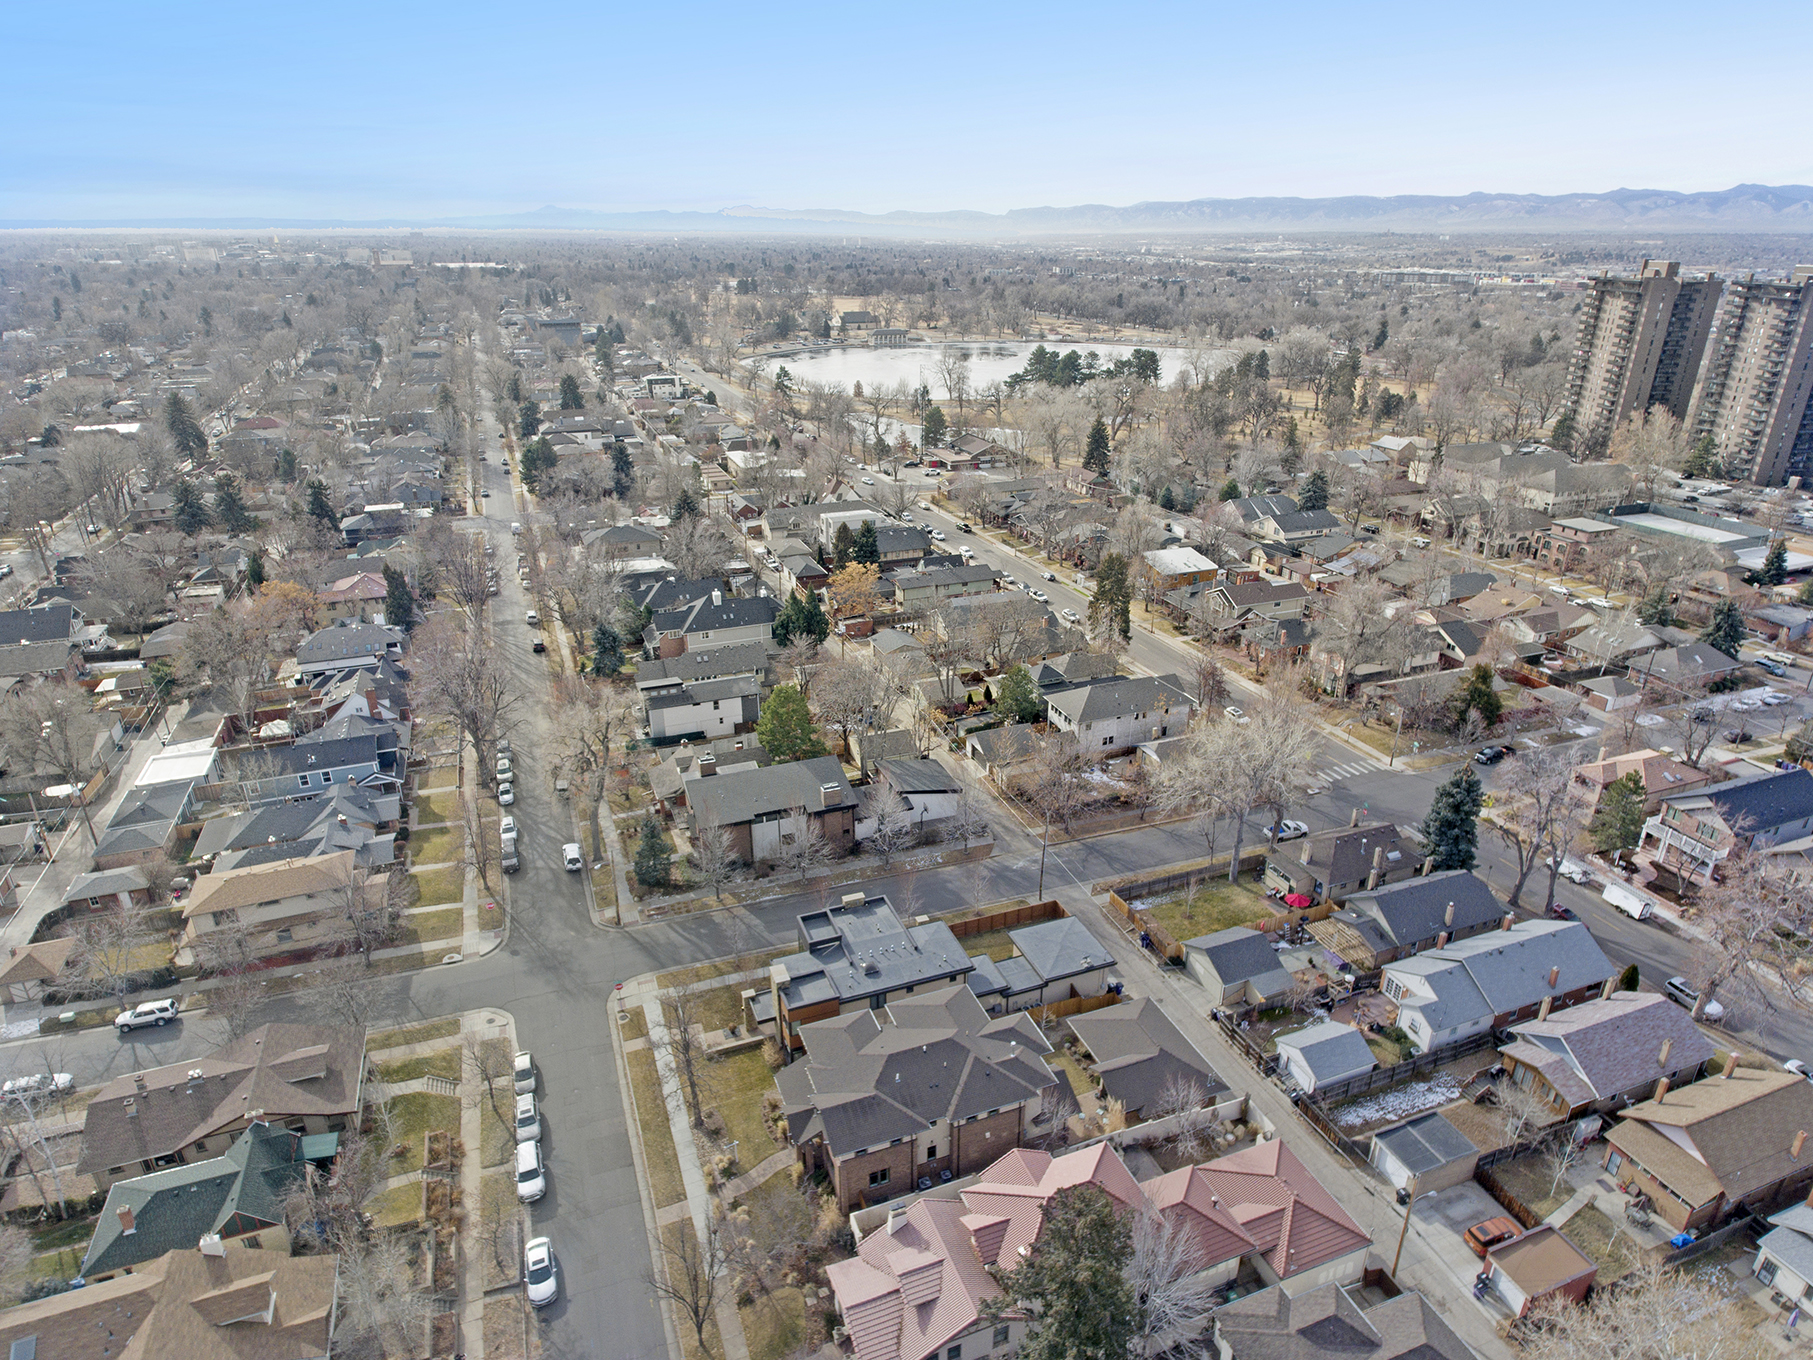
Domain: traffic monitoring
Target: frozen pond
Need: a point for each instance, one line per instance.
(989, 362)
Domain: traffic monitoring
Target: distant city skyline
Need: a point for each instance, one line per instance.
(361, 112)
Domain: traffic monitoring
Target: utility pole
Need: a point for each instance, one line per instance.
(1044, 845)
(1408, 1198)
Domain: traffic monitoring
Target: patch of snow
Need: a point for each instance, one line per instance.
(19, 1029)
(1401, 1102)
(1650, 720)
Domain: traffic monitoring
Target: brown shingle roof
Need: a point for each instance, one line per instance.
(1743, 1125)
(284, 1070)
(234, 888)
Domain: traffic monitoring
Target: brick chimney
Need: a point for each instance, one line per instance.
(1554, 974)
(1448, 915)
(1441, 939)
(1378, 868)
(1506, 923)
(1800, 1141)
(127, 1227)
(829, 794)
(1611, 985)
(1661, 1090)
(1730, 1063)
(1542, 1011)
(706, 764)
(1662, 1057)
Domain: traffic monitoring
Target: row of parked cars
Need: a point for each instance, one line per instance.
(541, 1273)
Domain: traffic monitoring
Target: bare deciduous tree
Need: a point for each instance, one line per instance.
(1176, 1297)
(1537, 815)
(686, 1272)
(1657, 1312)
(896, 828)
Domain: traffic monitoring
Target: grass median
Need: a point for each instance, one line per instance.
(660, 1161)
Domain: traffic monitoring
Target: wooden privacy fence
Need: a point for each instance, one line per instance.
(1152, 935)
(1499, 1191)
(1008, 918)
(1200, 871)
(1317, 1118)
(1076, 1005)
(1381, 1077)
(1265, 1063)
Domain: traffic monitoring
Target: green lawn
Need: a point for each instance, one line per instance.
(719, 1008)
(1073, 1073)
(412, 1116)
(414, 1034)
(737, 1085)
(428, 926)
(1217, 905)
(993, 943)
(446, 884)
(446, 1064)
(65, 1263)
(660, 1161)
(704, 972)
(396, 1206)
(438, 846)
(442, 806)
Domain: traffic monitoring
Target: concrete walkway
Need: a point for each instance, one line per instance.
(486, 1024)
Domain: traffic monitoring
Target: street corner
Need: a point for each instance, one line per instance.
(490, 1022)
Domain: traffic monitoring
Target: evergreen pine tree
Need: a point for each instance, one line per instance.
(230, 507)
(842, 543)
(1096, 454)
(1451, 830)
(1113, 598)
(1018, 698)
(1478, 696)
(607, 650)
(933, 427)
(399, 600)
(528, 419)
(785, 727)
(571, 399)
(1725, 631)
(1315, 492)
(623, 471)
(1656, 608)
(686, 506)
(1775, 565)
(654, 856)
(185, 430)
(255, 570)
(192, 514)
(1230, 490)
(865, 547)
(1617, 823)
(318, 507)
(1074, 1279)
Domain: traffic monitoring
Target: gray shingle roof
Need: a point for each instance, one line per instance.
(1061, 948)
(1417, 908)
(742, 796)
(1138, 1052)
(1610, 1046)
(1104, 700)
(1425, 1143)
(347, 643)
(1506, 970)
(1761, 802)
(1237, 954)
(1330, 1050)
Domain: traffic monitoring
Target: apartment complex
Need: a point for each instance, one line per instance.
(1754, 397)
(1639, 345)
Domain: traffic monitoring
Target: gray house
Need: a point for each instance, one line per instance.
(1323, 1054)
(1110, 717)
(1237, 967)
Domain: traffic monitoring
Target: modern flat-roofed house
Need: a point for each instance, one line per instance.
(305, 1078)
(703, 710)
(1491, 980)
(1697, 829)
(1393, 921)
(1110, 717)
(1734, 1142)
(927, 1088)
(762, 810)
(857, 955)
(1605, 1054)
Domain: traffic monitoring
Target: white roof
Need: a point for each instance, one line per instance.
(177, 763)
(1176, 561)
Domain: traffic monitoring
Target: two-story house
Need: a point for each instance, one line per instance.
(282, 907)
(1112, 716)
(347, 646)
(763, 811)
(309, 769)
(703, 710)
(922, 589)
(1168, 569)
(713, 621)
(1489, 981)
(1697, 829)
(1342, 860)
(924, 1089)
(360, 596)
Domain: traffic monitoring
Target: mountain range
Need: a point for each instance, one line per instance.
(1743, 208)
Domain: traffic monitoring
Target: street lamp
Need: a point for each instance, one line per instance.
(1407, 1197)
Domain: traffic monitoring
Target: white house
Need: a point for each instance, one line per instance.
(703, 710)
(1784, 1257)
(1323, 1054)
(1115, 715)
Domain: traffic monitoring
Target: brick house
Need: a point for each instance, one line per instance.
(922, 1090)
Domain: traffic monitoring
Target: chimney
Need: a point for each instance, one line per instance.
(1601, 753)
(1554, 975)
(707, 764)
(1428, 866)
(1730, 1064)
(828, 795)
(717, 598)
(1355, 819)
(1448, 915)
(1662, 1057)
(1441, 939)
(1800, 1141)
(1611, 985)
(138, 1080)
(211, 1245)
(1506, 923)
(1542, 1011)
(131, 1108)
(1661, 1090)
(126, 1224)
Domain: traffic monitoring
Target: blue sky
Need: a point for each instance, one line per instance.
(363, 110)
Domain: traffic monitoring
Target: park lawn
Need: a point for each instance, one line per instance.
(446, 1064)
(414, 1034)
(446, 884)
(396, 1206)
(774, 1325)
(736, 1085)
(412, 1116)
(441, 845)
(442, 806)
(425, 927)
(1217, 905)
(659, 1160)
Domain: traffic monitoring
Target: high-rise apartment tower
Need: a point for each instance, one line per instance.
(1754, 397)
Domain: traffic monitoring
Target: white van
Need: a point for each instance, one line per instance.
(1632, 904)
(515, 528)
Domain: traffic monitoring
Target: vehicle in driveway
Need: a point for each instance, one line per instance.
(522, 1072)
(1494, 1232)
(528, 1119)
(146, 1013)
(1677, 991)
(1775, 698)
(531, 1175)
(1235, 714)
(1491, 755)
(570, 856)
(541, 1277)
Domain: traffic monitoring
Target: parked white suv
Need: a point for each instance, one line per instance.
(570, 856)
(149, 1013)
(531, 1176)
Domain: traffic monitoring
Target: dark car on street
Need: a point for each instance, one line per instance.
(1491, 755)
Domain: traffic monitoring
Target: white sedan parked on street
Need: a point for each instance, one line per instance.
(540, 1275)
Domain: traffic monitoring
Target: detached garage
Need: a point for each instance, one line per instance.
(1540, 1263)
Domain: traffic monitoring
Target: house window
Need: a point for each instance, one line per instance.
(251, 1241)
(284, 936)
(1000, 1338)
(1613, 1161)
(878, 1177)
(877, 1002)
(954, 1353)
(1765, 1270)
(1107, 741)
(302, 780)
(931, 1152)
